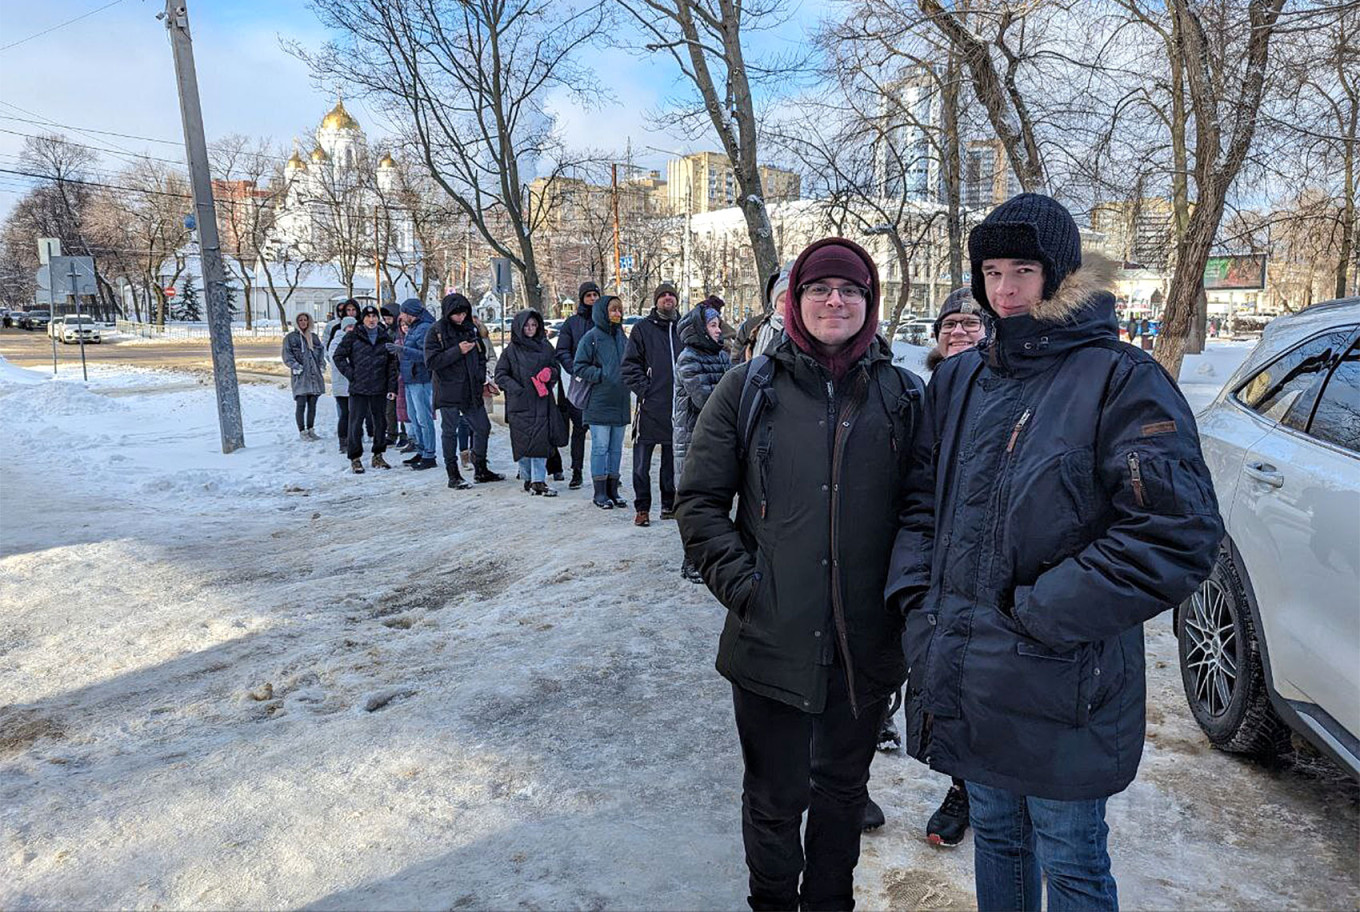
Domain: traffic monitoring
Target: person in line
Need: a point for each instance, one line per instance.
(456, 354)
(1071, 505)
(701, 364)
(959, 326)
(389, 321)
(417, 381)
(346, 308)
(729, 332)
(821, 472)
(649, 370)
(568, 340)
(761, 331)
(340, 383)
(363, 357)
(527, 372)
(599, 362)
(305, 357)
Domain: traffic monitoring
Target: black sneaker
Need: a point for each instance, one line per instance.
(950, 822)
(409, 447)
(576, 480)
(873, 816)
(889, 741)
(412, 460)
(425, 463)
(558, 476)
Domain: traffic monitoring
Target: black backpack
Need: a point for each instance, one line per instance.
(757, 394)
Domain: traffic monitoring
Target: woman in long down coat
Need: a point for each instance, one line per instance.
(701, 364)
(527, 371)
(306, 359)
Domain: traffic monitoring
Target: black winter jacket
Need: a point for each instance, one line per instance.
(529, 415)
(458, 378)
(820, 489)
(649, 371)
(370, 368)
(700, 366)
(1071, 504)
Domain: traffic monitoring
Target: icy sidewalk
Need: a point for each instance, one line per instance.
(258, 681)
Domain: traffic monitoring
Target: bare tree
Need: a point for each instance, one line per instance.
(706, 38)
(468, 81)
(248, 189)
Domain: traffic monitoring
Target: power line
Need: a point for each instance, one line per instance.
(61, 25)
(42, 122)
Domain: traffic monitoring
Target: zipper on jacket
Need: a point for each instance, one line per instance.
(1015, 431)
(1136, 476)
(842, 422)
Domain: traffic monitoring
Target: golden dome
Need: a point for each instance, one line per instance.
(296, 161)
(339, 119)
(387, 161)
(319, 154)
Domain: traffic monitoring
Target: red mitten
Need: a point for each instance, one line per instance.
(545, 375)
(540, 386)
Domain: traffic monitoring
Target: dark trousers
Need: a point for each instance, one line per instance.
(578, 435)
(342, 419)
(391, 414)
(642, 476)
(795, 762)
(306, 411)
(371, 411)
(477, 419)
(555, 462)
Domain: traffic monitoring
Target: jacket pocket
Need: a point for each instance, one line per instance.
(1009, 674)
(751, 613)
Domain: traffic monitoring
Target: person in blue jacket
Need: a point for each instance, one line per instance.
(417, 380)
(1071, 504)
(599, 362)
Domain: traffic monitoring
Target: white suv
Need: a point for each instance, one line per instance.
(70, 329)
(1271, 641)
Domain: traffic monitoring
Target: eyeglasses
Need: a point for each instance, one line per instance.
(967, 324)
(820, 293)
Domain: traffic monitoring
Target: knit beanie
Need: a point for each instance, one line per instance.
(586, 288)
(387, 311)
(711, 314)
(663, 289)
(777, 284)
(833, 258)
(1030, 226)
(960, 300)
(347, 322)
(412, 306)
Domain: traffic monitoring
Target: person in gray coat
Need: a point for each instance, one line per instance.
(340, 383)
(306, 358)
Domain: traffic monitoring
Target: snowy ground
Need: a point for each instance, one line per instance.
(258, 681)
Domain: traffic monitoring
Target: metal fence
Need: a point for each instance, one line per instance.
(261, 330)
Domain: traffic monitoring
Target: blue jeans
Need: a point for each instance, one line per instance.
(534, 468)
(1017, 839)
(606, 449)
(420, 409)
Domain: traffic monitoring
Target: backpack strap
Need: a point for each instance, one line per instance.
(756, 392)
(902, 401)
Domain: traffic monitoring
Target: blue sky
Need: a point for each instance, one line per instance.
(112, 71)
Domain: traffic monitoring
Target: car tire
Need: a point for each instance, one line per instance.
(1221, 667)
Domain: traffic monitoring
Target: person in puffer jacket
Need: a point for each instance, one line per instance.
(599, 362)
(1071, 504)
(700, 365)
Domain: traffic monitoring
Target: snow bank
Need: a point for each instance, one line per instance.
(11, 374)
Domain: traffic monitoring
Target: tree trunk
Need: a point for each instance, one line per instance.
(1187, 282)
(904, 291)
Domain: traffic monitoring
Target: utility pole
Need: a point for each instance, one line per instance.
(176, 16)
(614, 183)
(377, 276)
(80, 322)
(689, 205)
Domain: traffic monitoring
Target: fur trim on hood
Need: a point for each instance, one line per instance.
(1095, 274)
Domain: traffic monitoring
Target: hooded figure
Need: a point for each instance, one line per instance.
(1071, 504)
(529, 406)
(701, 365)
(649, 371)
(455, 353)
(568, 340)
(306, 359)
(819, 475)
(599, 362)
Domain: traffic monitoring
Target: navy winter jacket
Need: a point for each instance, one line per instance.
(1071, 505)
(599, 361)
(413, 366)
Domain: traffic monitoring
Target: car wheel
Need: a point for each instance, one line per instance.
(1221, 666)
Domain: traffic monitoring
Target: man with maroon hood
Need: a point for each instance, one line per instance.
(821, 472)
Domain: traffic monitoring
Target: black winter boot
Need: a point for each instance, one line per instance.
(456, 479)
(541, 487)
(613, 491)
(481, 474)
(576, 479)
(602, 498)
(873, 816)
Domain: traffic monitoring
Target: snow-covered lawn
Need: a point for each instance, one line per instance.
(257, 681)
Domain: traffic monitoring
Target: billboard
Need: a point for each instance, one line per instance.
(1233, 272)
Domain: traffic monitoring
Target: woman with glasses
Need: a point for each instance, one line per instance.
(960, 325)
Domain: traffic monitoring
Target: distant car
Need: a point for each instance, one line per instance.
(917, 332)
(35, 319)
(70, 329)
(554, 327)
(1270, 643)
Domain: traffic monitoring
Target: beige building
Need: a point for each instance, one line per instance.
(988, 179)
(1137, 231)
(706, 182)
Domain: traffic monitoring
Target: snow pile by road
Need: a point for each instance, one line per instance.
(11, 375)
(259, 681)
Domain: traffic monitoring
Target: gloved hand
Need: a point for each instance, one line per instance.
(545, 375)
(394, 348)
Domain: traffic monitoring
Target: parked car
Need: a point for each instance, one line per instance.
(1270, 643)
(35, 319)
(70, 329)
(917, 332)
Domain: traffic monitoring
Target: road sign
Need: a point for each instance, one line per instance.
(72, 275)
(48, 248)
(502, 275)
(625, 262)
(170, 292)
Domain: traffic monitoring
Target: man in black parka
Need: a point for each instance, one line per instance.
(1071, 504)
(568, 338)
(456, 355)
(810, 649)
(649, 370)
(372, 373)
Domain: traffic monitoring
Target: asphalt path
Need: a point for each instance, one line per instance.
(33, 349)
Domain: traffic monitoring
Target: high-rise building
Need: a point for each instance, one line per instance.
(906, 159)
(988, 179)
(706, 181)
(1137, 230)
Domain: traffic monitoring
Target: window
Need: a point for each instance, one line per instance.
(1337, 418)
(1293, 376)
